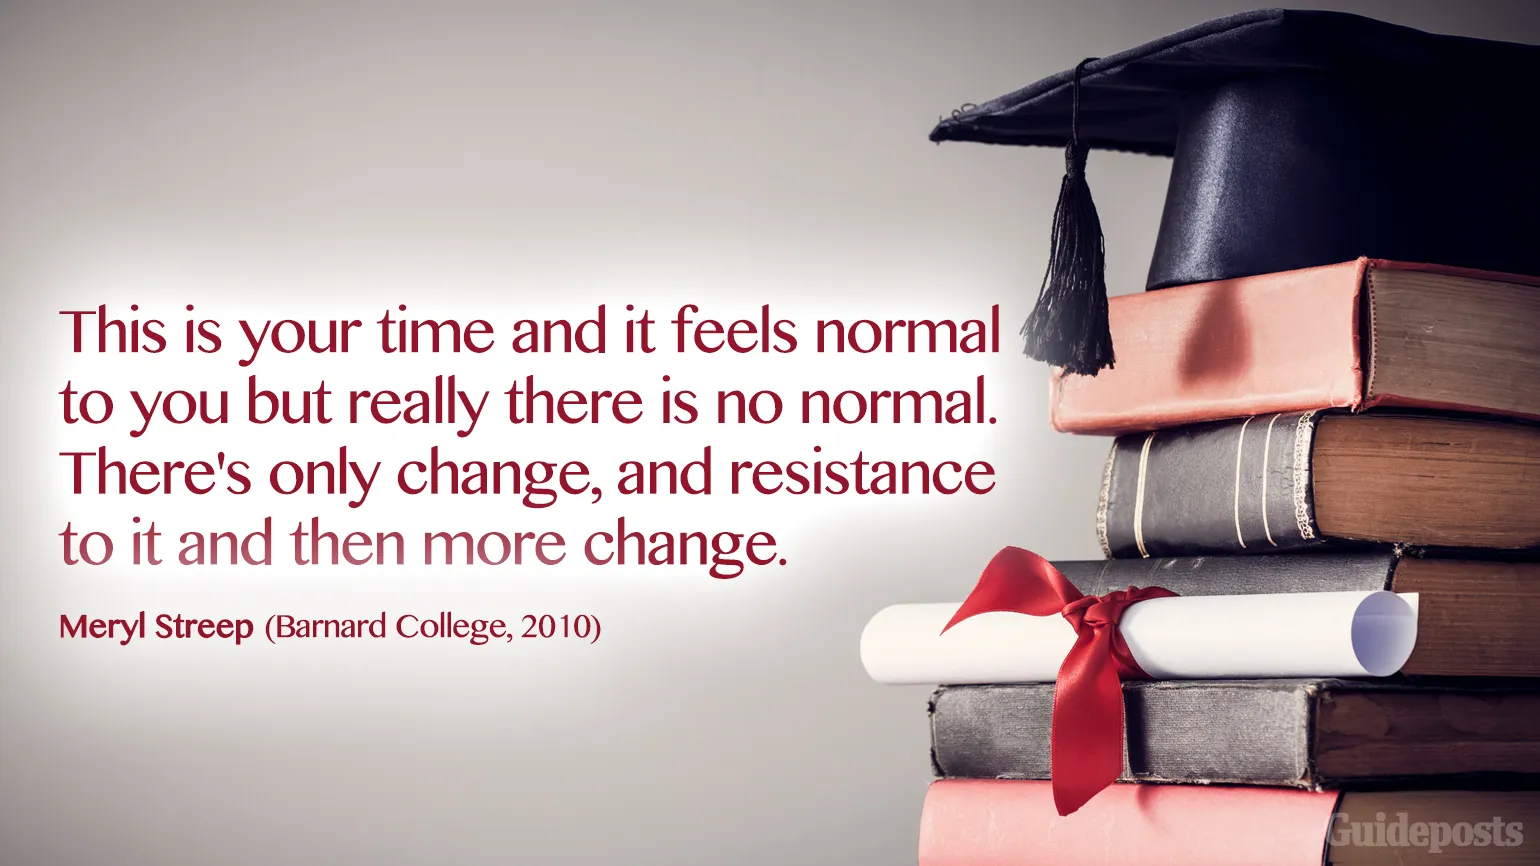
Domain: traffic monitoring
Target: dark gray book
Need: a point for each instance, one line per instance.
(1299, 480)
(1298, 733)
(1338, 571)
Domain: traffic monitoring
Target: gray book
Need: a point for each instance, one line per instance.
(1296, 481)
(1476, 617)
(1298, 733)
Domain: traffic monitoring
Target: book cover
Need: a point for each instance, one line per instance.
(978, 822)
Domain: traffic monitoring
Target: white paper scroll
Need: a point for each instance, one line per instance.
(1305, 634)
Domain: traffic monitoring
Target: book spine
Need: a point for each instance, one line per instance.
(1232, 487)
(976, 822)
(1254, 732)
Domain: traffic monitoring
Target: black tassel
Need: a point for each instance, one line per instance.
(1068, 327)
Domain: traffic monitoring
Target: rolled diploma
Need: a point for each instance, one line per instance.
(1303, 634)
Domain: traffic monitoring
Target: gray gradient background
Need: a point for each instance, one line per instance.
(769, 151)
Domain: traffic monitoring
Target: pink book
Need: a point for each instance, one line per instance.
(985, 822)
(1353, 335)
(974, 822)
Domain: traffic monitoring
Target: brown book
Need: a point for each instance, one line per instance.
(1353, 335)
(1295, 480)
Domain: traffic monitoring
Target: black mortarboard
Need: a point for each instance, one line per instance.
(1300, 139)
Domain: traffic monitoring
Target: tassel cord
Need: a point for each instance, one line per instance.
(1068, 327)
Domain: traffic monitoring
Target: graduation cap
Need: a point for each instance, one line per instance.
(1299, 139)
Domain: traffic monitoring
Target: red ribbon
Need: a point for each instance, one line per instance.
(1087, 734)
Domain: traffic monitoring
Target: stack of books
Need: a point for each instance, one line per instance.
(1434, 762)
(1433, 492)
(1325, 477)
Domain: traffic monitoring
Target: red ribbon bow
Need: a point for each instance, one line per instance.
(1087, 734)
